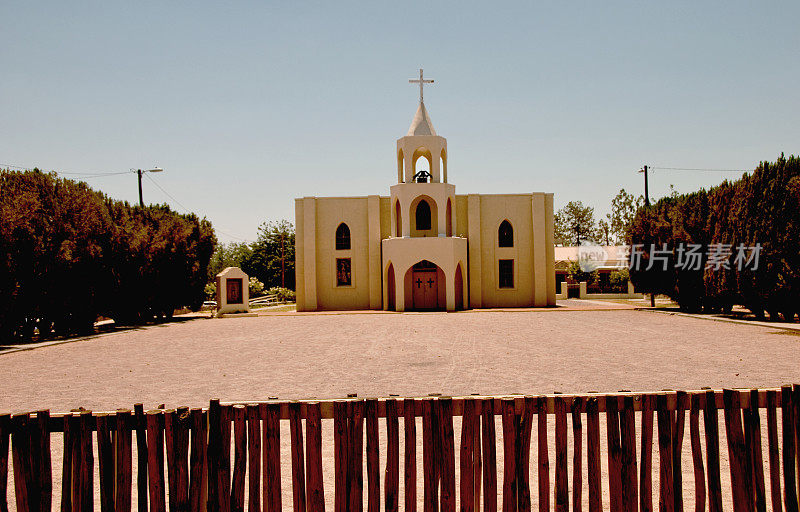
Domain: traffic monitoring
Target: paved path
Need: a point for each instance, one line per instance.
(330, 355)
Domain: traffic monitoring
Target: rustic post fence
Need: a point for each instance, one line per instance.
(184, 460)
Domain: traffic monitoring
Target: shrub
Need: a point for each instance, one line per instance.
(760, 208)
(284, 294)
(69, 254)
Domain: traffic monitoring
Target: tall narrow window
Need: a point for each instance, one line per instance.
(505, 235)
(423, 215)
(343, 274)
(342, 237)
(506, 274)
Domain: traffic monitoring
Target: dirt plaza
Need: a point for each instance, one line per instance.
(411, 354)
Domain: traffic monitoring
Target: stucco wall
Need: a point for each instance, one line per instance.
(478, 218)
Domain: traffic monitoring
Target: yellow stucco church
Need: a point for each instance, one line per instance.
(424, 247)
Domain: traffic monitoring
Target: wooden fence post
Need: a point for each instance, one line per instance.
(753, 426)
(448, 458)
(391, 484)
(697, 455)
(562, 485)
(628, 474)
(141, 458)
(373, 458)
(341, 500)
(741, 487)
(774, 450)
(711, 422)
(239, 458)
(298, 464)
(155, 460)
(509, 456)
(27, 495)
(123, 463)
(523, 453)
(410, 457)
(315, 492)
(789, 473)
(593, 477)
(5, 431)
(355, 412)
(666, 495)
(105, 456)
(198, 462)
(542, 454)
(254, 455)
(488, 440)
(271, 451)
(86, 462)
(428, 457)
(169, 443)
(466, 459)
(646, 469)
(577, 455)
(614, 454)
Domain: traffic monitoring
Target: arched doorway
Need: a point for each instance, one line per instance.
(390, 289)
(459, 288)
(425, 287)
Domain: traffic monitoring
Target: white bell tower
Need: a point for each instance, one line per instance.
(421, 141)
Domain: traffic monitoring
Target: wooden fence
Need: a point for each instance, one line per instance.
(202, 475)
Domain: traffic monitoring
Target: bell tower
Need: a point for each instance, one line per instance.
(421, 141)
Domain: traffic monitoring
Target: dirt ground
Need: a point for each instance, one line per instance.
(411, 354)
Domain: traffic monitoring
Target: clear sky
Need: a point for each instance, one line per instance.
(249, 105)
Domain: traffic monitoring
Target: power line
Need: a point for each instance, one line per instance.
(699, 169)
(78, 175)
(187, 209)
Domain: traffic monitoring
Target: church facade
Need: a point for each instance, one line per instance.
(424, 247)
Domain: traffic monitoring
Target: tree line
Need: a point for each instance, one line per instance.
(754, 220)
(575, 222)
(270, 259)
(70, 254)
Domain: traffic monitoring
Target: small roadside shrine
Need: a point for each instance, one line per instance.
(232, 292)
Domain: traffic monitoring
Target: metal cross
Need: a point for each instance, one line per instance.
(430, 283)
(419, 282)
(421, 83)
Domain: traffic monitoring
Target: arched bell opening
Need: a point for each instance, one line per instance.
(398, 220)
(449, 218)
(400, 165)
(444, 165)
(425, 287)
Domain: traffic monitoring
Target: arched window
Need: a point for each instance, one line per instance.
(342, 237)
(423, 215)
(505, 235)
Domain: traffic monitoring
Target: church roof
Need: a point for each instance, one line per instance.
(421, 124)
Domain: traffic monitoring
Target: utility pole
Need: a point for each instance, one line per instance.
(283, 266)
(139, 173)
(647, 203)
(141, 201)
(646, 193)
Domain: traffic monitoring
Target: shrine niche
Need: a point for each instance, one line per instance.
(232, 292)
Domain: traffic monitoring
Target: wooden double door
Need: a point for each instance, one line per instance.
(426, 289)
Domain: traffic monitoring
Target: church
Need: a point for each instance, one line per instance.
(424, 247)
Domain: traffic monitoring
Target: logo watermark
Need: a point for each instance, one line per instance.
(691, 257)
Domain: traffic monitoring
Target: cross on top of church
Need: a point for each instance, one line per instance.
(421, 83)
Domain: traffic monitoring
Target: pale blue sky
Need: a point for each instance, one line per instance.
(249, 105)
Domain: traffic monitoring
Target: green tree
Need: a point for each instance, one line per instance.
(574, 223)
(623, 209)
(272, 257)
(228, 255)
